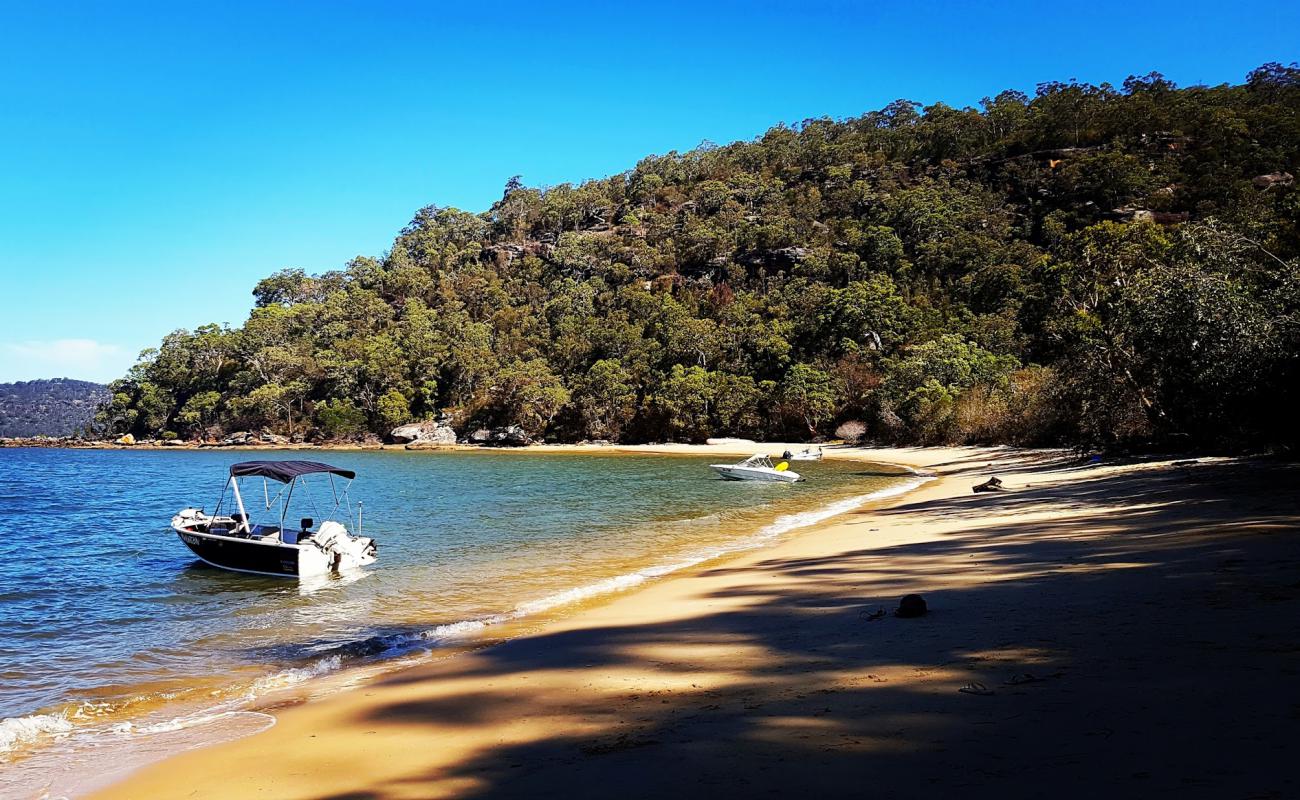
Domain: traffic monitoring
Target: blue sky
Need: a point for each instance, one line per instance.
(157, 159)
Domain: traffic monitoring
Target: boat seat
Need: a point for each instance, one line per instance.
(266, 532)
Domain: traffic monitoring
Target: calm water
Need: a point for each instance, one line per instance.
(110, 628)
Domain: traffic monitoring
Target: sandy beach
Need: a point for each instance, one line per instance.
(1131, 628)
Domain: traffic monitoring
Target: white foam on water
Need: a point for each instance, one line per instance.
(294, 676)
(195, 720)
(17, 731)
(463, 629)
(84, 763)
(621, 583)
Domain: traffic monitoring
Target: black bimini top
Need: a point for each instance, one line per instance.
(285, 471)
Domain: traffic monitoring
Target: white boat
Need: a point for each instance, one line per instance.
(757, 467)
(231, 541)
(806, 454)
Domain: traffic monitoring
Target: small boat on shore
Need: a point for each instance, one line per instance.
(806, 454)
(231, 541)
(757, 467)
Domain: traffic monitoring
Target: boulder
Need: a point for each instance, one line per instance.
(425, 444)
(273, 438)
(912, 605)
(1265, 182)
(127, 439)
(507, 436)
(238, 438)
(511, 436)
(436, 432)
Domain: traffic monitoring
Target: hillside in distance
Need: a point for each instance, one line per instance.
(55, 407)
(1092, 265)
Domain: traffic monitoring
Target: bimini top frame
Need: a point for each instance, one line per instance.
(285, 471)
(288, 473)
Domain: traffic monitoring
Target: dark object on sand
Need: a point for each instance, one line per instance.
(991, 485)
(912, 605)
(977, 689)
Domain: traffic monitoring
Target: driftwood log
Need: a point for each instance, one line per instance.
(991, 485)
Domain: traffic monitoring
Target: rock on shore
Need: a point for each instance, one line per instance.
(430, 433)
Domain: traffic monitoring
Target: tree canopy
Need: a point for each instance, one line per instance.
(1091, 265)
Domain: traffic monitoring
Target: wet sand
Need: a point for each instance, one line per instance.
(1124, 628)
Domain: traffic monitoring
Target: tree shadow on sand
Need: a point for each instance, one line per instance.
(1151, 647)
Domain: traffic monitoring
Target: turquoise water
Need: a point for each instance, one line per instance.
(107, 621)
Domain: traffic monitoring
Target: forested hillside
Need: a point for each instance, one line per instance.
(1091, 265)
(58, 407)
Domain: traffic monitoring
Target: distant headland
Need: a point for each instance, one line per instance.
(58, 407)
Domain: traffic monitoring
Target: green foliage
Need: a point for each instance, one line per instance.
(393, 409)
(1091, 265)
(606, 398)
(340, 419)
(199, 411)
(809, 394)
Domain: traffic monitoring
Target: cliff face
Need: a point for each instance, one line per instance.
(57, 407)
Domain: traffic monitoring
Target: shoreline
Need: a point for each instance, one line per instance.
(446, 639)
(754, 647)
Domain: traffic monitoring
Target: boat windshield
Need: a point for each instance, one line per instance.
(757, 460)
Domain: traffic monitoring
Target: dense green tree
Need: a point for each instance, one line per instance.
(606, 398)
(1091, 265)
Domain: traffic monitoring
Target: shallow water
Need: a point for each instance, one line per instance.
(109, 627)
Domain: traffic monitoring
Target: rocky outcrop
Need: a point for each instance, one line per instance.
(426, 444)
(1266, 182)
(509, 253)
(427, 433)
(779, 257)
(507, 436)
(1139, 214)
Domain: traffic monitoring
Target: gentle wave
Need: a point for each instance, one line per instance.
(297, 675)
(620, 583)
(17, 731)
(195, 720)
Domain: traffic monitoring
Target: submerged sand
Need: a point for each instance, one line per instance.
(1122, 628)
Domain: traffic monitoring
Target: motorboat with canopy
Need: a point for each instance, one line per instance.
(757, 467)
(276, 547)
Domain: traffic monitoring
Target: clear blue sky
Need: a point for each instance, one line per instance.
(157, 159)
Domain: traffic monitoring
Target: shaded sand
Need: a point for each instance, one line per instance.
(1137, 628)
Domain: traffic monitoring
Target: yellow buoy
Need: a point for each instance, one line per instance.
(783, 466)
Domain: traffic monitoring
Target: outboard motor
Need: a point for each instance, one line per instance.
(344, 551)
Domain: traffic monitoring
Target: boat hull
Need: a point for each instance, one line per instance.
(735, 473)
(248, 556)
